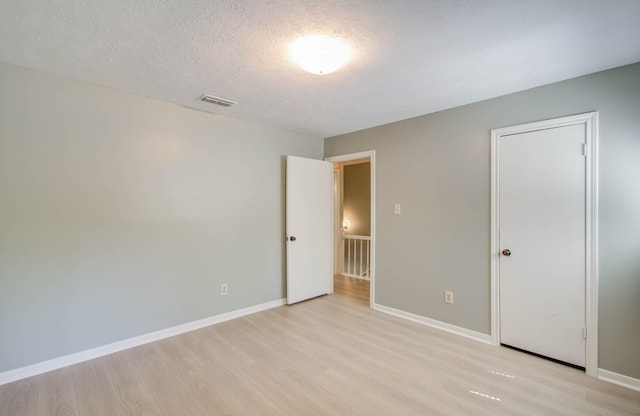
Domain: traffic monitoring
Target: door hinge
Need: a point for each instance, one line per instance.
(585, 150)
(584, 332)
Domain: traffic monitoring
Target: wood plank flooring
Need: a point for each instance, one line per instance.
(351, 289)
(328, 356)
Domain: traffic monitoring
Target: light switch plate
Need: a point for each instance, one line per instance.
(396, 208)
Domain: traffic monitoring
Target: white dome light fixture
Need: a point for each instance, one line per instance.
(319, 54)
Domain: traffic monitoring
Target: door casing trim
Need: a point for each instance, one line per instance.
(590, 121)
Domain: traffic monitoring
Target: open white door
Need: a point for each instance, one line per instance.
(309, 228)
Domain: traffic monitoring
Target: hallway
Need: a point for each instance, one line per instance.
(352, 289)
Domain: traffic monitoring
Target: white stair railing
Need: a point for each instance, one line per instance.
(357, 252)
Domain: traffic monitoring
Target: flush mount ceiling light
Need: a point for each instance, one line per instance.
(319, 54)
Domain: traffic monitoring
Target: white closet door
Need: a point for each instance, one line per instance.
(542, 240)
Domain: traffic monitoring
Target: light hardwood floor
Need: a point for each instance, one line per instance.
(327, 356)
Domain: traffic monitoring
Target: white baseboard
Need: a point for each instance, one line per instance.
(467, 333)
(619, 379)
(67, 360)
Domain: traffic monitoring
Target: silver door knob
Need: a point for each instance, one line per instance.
(292, 238)
(506, 252)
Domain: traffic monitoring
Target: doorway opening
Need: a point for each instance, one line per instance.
(354, 226)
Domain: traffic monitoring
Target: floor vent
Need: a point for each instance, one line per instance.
(216, 100)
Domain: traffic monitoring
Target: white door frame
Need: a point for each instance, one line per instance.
(338, 262)
(590, 121)
(371, 154)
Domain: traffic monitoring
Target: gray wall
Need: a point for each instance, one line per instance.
(121, 215)
(438, 167)
(357, 198)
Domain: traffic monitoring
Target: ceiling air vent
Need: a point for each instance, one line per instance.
(217, 100)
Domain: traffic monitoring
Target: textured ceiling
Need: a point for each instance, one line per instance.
(411, 57)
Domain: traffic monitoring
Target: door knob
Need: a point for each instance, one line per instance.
(292, 238)
(506, 252)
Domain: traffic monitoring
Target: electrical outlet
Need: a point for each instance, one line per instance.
(448, 296)
(224, 289)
